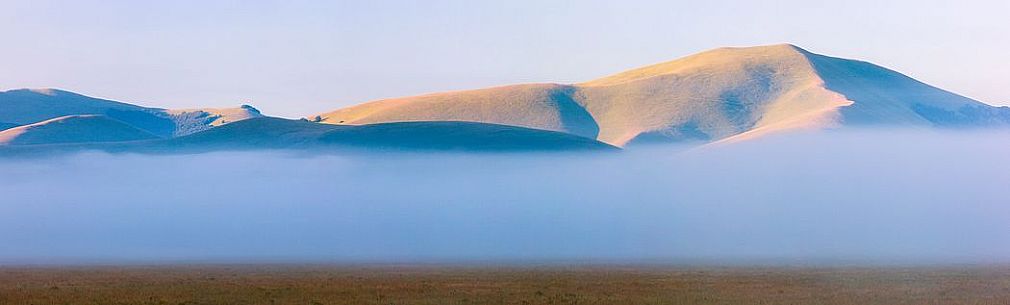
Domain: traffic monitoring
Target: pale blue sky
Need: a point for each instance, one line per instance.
(295, 58)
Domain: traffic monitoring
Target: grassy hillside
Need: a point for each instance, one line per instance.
(539, 106)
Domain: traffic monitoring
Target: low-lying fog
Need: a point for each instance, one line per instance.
(894, 197)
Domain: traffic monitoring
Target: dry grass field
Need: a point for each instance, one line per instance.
(303, 284)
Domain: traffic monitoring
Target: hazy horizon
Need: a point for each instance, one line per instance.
(293, 59)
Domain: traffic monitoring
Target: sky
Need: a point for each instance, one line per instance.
(298, 58)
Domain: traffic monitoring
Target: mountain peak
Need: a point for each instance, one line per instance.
(771, 48)
(714, 61)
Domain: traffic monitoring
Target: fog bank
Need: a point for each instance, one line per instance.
(859, 196)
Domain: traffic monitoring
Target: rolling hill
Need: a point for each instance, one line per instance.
(540, 106)
(27, 106)
(724, 94)
(276, 133)
(73, 129)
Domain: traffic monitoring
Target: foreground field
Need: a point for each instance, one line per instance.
(260, 284)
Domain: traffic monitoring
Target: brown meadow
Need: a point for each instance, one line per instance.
(319, 284)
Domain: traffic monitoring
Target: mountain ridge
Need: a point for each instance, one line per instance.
(716, 95)
(28, 106)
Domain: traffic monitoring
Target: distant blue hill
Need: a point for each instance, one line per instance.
(283, 134)
(74, 129)
(443, 136)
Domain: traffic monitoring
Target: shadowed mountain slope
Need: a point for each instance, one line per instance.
(884, 96)
(722, 94)
(465, 136)
(73, 129)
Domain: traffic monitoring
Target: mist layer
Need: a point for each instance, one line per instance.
(880, 196)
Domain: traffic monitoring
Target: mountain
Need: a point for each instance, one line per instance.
(720, 95)
(279, 133)
(27, 106)
(723, 94)
(73, 129)
(97, 124)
